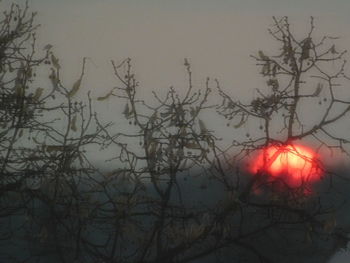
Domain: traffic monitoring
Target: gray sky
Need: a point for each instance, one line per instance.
(217, 36)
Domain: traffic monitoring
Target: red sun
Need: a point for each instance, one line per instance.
(294, 165)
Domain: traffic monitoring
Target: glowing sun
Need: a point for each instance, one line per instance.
(293, 165)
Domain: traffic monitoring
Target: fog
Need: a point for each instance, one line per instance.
(157, 35)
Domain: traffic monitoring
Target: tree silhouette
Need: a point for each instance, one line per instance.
(298, 75)
(44, 132)
(174, 191)
(175, 142)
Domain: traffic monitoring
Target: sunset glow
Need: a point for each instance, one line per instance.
(294, 165)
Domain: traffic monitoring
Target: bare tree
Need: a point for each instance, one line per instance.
(174, 192)
(44, 135)
(306, 74)
(174, 141)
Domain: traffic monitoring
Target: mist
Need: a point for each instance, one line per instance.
(218, 40)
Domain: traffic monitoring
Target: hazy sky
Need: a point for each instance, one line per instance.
(217, 36)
